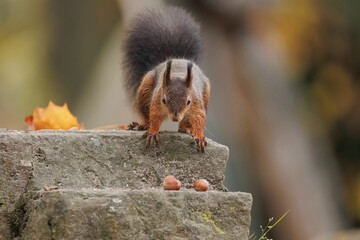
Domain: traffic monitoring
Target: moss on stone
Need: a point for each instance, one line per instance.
(210, 218)
(18, 217)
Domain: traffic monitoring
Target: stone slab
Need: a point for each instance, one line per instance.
(138, 214)
(31, 160)
(101, 159)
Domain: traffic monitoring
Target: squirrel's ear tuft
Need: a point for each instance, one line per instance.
(189, 74)
(167, 73)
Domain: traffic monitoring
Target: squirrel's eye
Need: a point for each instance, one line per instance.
(164, 101)
(188, 102)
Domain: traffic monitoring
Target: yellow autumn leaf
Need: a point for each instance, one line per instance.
(52, 117)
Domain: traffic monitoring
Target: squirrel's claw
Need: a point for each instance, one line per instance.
(200, 142)
(152, 139)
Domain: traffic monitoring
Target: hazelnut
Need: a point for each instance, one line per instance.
(201, 185)
(171, 183)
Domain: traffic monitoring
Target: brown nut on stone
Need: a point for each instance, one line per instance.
(201, 185)
(171, 183)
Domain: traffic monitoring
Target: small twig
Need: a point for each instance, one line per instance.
(51, 188)
(268, 228)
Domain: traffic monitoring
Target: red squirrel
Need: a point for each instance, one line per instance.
(161, 50)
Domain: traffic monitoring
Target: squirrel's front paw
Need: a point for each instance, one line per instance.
(200, 142)
(152, 139)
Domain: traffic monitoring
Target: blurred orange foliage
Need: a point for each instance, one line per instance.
(52, 117)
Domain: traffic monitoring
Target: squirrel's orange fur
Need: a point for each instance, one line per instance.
(161, 51)
(191, 100)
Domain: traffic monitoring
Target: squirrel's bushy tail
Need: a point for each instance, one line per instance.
(155, 36)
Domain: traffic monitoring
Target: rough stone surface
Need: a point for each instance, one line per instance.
(110, 187)
(14, 177)
(104, 159)
(138, 214)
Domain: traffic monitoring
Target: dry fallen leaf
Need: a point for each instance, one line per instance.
(52, 117)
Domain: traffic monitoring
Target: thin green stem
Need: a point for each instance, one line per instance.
(262, 237)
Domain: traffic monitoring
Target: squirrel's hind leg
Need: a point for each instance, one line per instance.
(185, 126)
(142, 103)
(136, 126)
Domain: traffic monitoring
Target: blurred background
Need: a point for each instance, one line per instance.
(285, 93)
